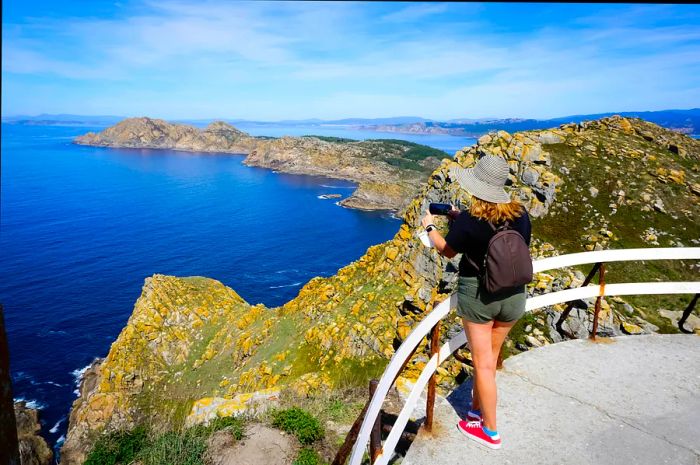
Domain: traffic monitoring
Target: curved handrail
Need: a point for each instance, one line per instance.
(443, 308)
(392, 370)
(619, 255)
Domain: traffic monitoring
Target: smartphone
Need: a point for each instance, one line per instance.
(440, 208)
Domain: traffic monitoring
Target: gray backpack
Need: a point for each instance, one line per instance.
(507, 263)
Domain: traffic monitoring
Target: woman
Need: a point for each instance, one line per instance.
(487, 318)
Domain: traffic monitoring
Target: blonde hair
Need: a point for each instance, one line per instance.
(495, 212)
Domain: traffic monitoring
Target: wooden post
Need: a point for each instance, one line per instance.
(342, 455)
(350, 439)
(9, 451)
(375, 437)
(601, 283)
(430, 404)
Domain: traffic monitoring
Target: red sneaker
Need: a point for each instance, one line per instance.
(473, 430)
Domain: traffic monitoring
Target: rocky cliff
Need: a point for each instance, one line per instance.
(193, 349)
(33, 449)
(389, 172)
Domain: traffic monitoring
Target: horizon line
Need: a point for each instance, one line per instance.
(475, 119)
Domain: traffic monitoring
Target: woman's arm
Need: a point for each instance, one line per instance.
(439, 241)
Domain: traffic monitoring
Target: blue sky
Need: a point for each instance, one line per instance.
(293, 60)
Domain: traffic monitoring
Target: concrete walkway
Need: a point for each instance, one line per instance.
(628, 400)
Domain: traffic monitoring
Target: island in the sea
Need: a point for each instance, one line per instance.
(388, 172)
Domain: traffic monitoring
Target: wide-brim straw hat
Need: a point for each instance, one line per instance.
(486, 180)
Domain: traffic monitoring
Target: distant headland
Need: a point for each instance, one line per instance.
(389, 172)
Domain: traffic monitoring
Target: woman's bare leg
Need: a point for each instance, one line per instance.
(485, 341)
(479, 336)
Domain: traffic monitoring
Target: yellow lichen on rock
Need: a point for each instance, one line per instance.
(194, 338)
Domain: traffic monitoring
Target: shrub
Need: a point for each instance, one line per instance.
(176, 449)
(185, 447)
(232, 424)
(308, 457)
(120, 447)
(299, 422)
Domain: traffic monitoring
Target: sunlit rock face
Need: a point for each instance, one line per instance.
(193, 349)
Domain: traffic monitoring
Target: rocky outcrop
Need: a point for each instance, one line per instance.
(398, 168)
(193, 349)
(160, 134)
(9, 453)
(33, 449)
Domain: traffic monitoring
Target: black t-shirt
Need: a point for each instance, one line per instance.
(470, 236)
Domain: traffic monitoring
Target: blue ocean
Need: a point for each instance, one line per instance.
(82, 227)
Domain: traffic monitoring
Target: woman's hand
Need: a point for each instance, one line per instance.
(436, 237)
(453, 213)
(428, 218)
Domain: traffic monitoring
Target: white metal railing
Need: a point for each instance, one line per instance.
(441, 310)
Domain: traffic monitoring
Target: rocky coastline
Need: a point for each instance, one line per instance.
(194, 350)
(33, 448)
(389, 172)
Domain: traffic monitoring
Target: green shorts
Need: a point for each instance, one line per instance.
(478, 306)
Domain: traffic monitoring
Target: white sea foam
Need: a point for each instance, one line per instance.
(60, 440)
(78, 375)
(33, 404)
(52, 383)
(337, 187)
(39, 383)
(285, 285)
(54, 430)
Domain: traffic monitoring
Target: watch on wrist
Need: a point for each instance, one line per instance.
(430, 227)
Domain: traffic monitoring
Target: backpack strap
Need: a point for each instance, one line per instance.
(503, 227)
(479, 270)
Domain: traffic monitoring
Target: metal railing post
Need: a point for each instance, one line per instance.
(601, 283)
(686, 313)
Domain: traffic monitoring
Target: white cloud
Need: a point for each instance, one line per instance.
(414, 12)
(295, 57)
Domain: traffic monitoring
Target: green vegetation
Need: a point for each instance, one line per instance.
(339, 406)
(419, 152)
(308, 457)
(332, 139)
(299, 422)
(176, 449)
(415, 151)
(404, 164)
(185, 447)
(120, 447)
